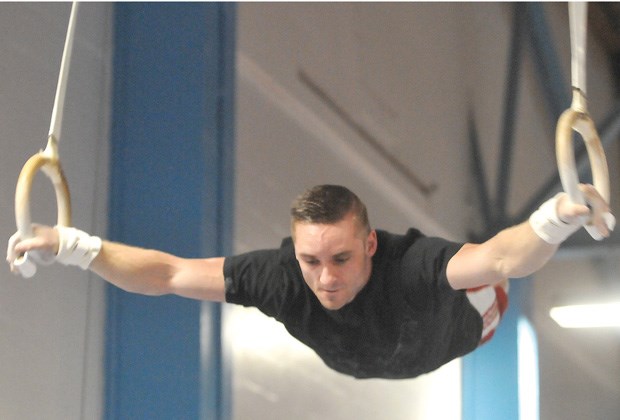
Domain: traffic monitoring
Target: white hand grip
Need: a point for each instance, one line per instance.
(25, 266)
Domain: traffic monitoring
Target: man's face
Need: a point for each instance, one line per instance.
(335, 259)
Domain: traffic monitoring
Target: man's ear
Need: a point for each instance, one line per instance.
(371, 243)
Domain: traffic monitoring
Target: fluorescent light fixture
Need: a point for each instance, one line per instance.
(587, 316)
(527, 371)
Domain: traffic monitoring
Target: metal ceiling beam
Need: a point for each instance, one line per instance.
(479, 174)
(494, 213)
(548, 67)
(509, 113)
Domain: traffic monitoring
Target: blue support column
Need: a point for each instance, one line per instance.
(491, 373)
(171, 189)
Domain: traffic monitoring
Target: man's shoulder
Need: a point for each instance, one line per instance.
(287, 250)
(392, 245)
(410, 234)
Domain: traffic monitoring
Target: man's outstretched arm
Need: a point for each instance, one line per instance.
(523, 249)
(136, 269)
(151, 272)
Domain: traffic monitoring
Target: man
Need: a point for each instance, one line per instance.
(370, 303)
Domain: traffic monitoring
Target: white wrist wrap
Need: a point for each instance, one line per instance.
(546, 223)
(76, 247)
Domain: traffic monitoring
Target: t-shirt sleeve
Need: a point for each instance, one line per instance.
(452, 326)
(424, 269)
(260, 278)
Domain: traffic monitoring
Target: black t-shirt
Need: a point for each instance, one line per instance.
(405, 322)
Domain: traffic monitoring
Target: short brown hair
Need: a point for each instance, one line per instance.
(328, 204)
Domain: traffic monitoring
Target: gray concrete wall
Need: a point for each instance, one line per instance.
(51, 326)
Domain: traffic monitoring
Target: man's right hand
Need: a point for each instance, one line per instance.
(42, 247)
(596, 215)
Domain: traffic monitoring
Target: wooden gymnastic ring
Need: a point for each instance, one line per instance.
(51, 167)
(573, 120)
(582, 123)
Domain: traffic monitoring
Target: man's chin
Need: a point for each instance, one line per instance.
(332, 304)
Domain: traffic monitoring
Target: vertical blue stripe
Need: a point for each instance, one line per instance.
(216, 401)
(491, 373)
(170, 187)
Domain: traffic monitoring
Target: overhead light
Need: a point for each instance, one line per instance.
(587, 316)
(528, 374)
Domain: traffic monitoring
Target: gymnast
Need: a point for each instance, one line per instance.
(370, 303)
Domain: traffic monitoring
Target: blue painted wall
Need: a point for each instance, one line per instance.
(171, 189)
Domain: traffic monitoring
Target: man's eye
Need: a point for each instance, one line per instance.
(312, 262)
(341, 261)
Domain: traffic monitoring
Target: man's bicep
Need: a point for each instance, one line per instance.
(201, 279)
(472, 266)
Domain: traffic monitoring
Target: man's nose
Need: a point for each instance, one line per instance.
(327, 276)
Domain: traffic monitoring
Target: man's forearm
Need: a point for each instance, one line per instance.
(134, 269)
(155, 273)
(519, 251)
(512, 253)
